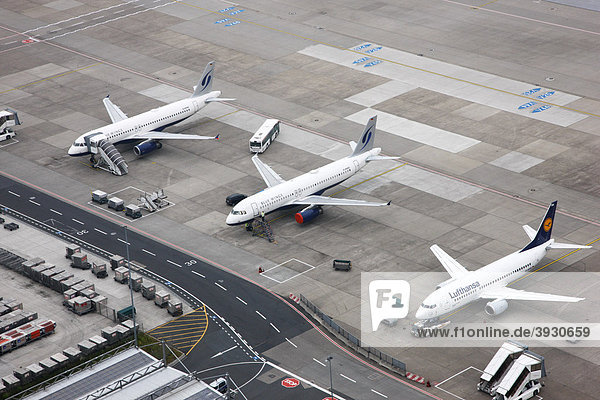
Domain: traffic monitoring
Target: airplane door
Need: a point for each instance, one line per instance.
(255, 209)
(356, 167)
(196, 108)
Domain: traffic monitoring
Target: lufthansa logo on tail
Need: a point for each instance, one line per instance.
(547, 224)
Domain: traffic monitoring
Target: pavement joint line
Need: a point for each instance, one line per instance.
(262, 316)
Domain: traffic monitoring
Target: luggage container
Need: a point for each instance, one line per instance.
(89, 293)
(99, 302)
(116, 204)
(85, 285)
(36, 272)
(4, 309)
(46, 275)
(27, 265)
(73, 353)
(129, 325)
(99, 197)
(6, 344)
(55, 281)
(71, 249)
(80, 305)
(110, 334)
(136, 282)
(133, 211)
(35, 369)
(148, 290)
(86, 347)
(13, 305)
(99, 270)
(23, 375)
(48, 326)
(121, 275)
(10, 381)
(99, 341)
(123, 331)
(80, 260)
(116, 261)
(64, 285)
(68, 295)
(48, 364)
(162, 298)
(175, 308)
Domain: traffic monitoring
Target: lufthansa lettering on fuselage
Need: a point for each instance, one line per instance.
(464, 289)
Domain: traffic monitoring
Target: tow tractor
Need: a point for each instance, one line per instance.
(425, 327)
(8, 118)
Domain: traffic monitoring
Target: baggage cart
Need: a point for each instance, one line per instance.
(99, 270)
(116, 204)
(162, 298)
(175, 308)
(121, 275)
(71, 249)
(99, 197)
(136, 282)
(148, 290)
(133, 211)
(116, 261)
(80, 260)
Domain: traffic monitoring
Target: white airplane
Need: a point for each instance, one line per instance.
(307, 189)
(490, 282)
(147, 127)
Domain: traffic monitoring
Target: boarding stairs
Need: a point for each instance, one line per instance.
(110, 158)
(524, 371)
(499, 366)
(262, 228)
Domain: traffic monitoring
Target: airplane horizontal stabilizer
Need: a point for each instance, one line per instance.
(218, 99)
(514, 294)
(331, 201)
(352, 144)
(530, 231)
(381, 158)
(153, 135)
(114, 112)
(567, 246)
(450, 264)
(270, 177)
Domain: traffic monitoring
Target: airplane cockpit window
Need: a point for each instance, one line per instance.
(428, 306)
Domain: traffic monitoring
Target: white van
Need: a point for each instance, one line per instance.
(264, 136)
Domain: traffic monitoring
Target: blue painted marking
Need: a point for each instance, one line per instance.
(542, 108)
(543, 96)
(364, 46)
(527, 105)
(361, 60)
(373, 50)
(236, 12)
(221, 21)
(532, 91)
(233, 23)
(227, 9)
(373, 63)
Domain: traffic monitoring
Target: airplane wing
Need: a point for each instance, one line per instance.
(114, 112)
(270, 177)
(514, 294)
(530, 231)
(164, 135)
(450, 264)
(331, 201)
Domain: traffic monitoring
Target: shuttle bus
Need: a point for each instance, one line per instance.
(264, 136)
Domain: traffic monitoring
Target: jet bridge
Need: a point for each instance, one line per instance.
(110, 159)
(522, 380)
(499, 366)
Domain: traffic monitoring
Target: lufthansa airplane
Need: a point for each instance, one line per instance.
(307, 189)
(490, 282)
(147, 127)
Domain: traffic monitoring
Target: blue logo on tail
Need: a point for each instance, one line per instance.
(366, 138)
(206, 80)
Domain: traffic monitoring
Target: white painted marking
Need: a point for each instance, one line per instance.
(120, 11)
(290, 342)
(274, 327)
(262, 316)
(381, 394)
(241, 300)
(102, 16)
(350, 379)
(79, 23)
(199, 274)
(225, 289)
(35, 202)
(122, 241)
(174, 263)
(10, 42)
(14, 194)
(317, 361)
(78, 221)
(223, 352)
(98, 230)
(56, 212)
(148, 252)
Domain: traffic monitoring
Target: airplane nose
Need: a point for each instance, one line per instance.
(71, 151)
(230, 219)
(421, 314)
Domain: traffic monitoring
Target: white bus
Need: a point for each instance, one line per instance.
(264, 136)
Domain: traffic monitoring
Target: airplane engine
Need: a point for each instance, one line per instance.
(146, 147)
(308, 214)
(496, 307)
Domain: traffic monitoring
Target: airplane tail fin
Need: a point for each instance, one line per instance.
(544, 232)
(366, 139)
(205, 83)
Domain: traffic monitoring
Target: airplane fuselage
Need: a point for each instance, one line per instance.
(457, 293)
(313, 182)
(153, 120)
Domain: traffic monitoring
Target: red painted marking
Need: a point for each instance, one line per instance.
(290, 382)
(27, 41)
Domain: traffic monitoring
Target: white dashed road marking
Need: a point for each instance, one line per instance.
(199, 274)
(98, 230)
(148, 252)
(174, 263)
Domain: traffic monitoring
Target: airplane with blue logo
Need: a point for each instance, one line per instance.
(490, 282)
(307, 189)
(147, 128)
